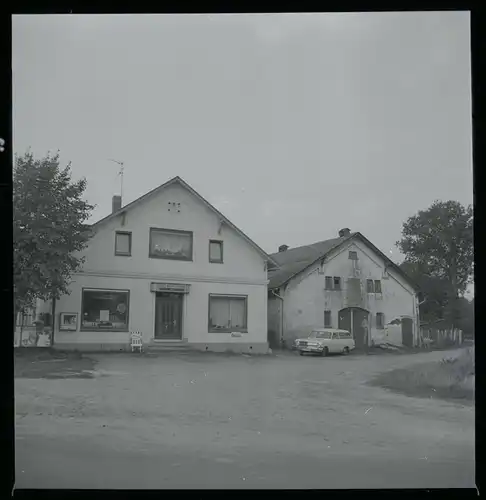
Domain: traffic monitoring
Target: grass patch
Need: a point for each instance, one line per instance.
(31, 362)
(450, 378)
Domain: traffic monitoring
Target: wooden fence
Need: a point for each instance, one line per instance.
(440, 337)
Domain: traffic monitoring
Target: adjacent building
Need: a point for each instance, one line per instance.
(345, 282)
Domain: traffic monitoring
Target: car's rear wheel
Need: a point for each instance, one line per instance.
(346, 350)
(301, 353)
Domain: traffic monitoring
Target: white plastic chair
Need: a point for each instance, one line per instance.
(136, 341)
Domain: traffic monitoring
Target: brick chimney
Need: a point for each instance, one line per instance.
(283, 248)
(345, 232)
(116, 203)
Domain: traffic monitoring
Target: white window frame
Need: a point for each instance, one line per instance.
(211, 329)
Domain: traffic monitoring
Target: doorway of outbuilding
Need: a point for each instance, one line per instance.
(356, 321)
(407, 332)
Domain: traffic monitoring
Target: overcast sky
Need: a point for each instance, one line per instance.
(293, 125)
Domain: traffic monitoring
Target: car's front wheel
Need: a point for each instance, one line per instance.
(301, 353)
(325, 351)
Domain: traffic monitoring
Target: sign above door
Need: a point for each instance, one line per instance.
(170, 287)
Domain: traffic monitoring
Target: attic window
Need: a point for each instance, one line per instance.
(353, 255)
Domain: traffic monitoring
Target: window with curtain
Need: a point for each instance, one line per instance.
(228, 313)
(328, 283)
(170, 244)
(377, 286)
(369, 286)
(104, 309)
(216, 251)
(123, 243)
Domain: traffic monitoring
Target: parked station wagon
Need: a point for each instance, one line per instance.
(323, 341)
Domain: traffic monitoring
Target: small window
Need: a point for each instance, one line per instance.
(216, 251)
(353, 255)
(327, 319)
(377, 286)
(228, 313)
(123, 243)
(369, 286)
(337, 283)
(380, 321)
(328, 283)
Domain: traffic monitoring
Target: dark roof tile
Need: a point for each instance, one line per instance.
(295, 260)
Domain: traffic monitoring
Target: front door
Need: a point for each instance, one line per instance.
(168, 316)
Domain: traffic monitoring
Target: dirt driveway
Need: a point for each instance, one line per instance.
(192, 420)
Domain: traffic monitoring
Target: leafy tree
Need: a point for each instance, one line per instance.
(466, 316)
(49, 227)
(438, 248)
(433, 296)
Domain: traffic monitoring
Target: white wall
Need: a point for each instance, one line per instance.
(240, 259)
(142, 311)
(243, 272)
(306, 299)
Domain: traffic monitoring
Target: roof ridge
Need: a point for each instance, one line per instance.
(308, 245)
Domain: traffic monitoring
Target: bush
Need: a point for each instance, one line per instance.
(449, 378)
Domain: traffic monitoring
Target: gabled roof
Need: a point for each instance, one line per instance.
(180, 181)
(296, 260)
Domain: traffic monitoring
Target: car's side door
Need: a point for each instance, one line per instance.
(344, 341)
(335, 343)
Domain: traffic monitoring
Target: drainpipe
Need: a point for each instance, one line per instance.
(281, 316)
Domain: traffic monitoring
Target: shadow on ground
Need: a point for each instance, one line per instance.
(50, 364)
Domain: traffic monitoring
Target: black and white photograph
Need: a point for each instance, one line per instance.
(243, 251)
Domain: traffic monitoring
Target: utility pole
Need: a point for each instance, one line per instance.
(120, 173)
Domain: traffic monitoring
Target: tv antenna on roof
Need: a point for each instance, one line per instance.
(120, 173)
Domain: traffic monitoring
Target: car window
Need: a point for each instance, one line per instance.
(345, 335)
(323, 335)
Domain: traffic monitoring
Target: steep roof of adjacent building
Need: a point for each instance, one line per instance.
(184, 184)
(295, 260)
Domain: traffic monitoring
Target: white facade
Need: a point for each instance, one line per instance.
(242, 273)
(305, 297)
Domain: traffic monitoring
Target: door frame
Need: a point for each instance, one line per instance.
(352, 310)
(183, 314)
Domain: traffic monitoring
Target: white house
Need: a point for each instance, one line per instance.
(172, 267)
(345, 282)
